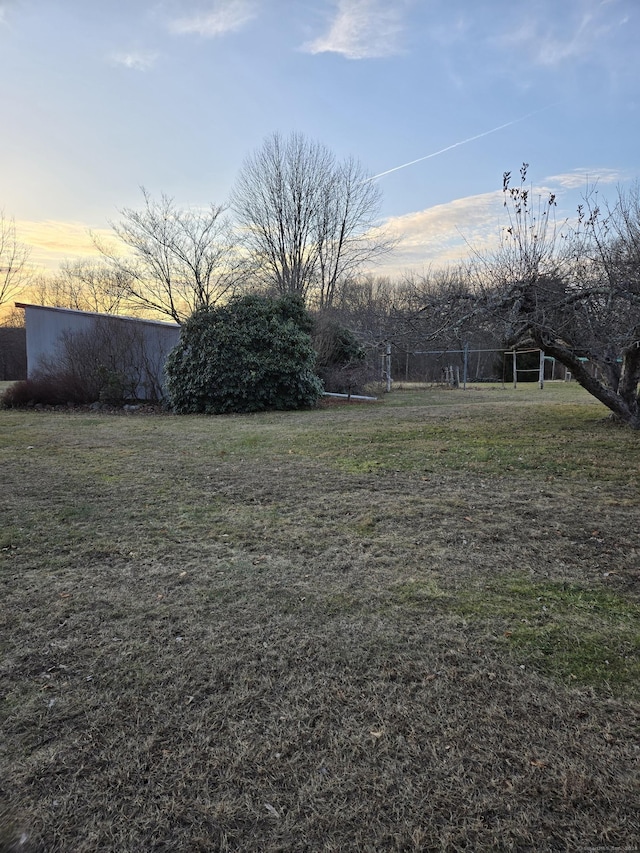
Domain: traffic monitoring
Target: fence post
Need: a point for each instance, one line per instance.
(541, 371)
(466, 365)
(388, 366)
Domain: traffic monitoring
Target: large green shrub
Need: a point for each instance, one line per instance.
(252, 354)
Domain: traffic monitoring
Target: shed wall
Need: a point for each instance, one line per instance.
(46, 326)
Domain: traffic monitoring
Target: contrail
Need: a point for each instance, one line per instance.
(458, 144)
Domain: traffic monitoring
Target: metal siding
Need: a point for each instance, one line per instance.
(46, 325)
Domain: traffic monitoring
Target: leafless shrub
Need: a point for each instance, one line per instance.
(341, 360)
(111, 362)
(54, 390)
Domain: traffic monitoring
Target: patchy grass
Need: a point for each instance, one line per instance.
(411, 625)
(587, 636)
(531, 430)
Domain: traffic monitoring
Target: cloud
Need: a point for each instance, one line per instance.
(581, 178)
(362, 29)
(5, 5)
(444, 234)
(584, 30)
(220, 17)
(52, 241)
(135, 59)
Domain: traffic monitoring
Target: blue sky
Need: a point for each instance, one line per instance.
(99, 97)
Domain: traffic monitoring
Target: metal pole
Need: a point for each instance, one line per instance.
(388, 365)
(466, 364)
(541, 371)
(515, 370)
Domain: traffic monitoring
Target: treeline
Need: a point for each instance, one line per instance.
(299, 222)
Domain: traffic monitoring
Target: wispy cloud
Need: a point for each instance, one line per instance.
(136, 60)
(444, 234)
(581, 178)
(4, 7)
(362, 29)
(583, 31)
(215, 19)
(448, 233)
(51, 241)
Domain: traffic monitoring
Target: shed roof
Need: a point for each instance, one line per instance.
(76, 312)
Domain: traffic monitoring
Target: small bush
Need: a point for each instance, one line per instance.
(109, 362)
(252, 354)
(56, 390)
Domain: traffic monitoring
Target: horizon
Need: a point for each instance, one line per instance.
(435, 100)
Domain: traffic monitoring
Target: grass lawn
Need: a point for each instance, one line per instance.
(404, 626)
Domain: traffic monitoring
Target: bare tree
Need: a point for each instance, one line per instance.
(276, 199)
(308, 220)
(13, 261)
(174, 260)
(366, 305)
(84, 286)
(349, 236)
(574, 293)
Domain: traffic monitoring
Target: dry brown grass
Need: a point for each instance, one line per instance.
(321, 631)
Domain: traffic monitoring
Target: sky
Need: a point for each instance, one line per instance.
(101, 97)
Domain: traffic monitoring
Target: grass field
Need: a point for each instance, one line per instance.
(404, 626)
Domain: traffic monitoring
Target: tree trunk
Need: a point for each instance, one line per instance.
(623, 401)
